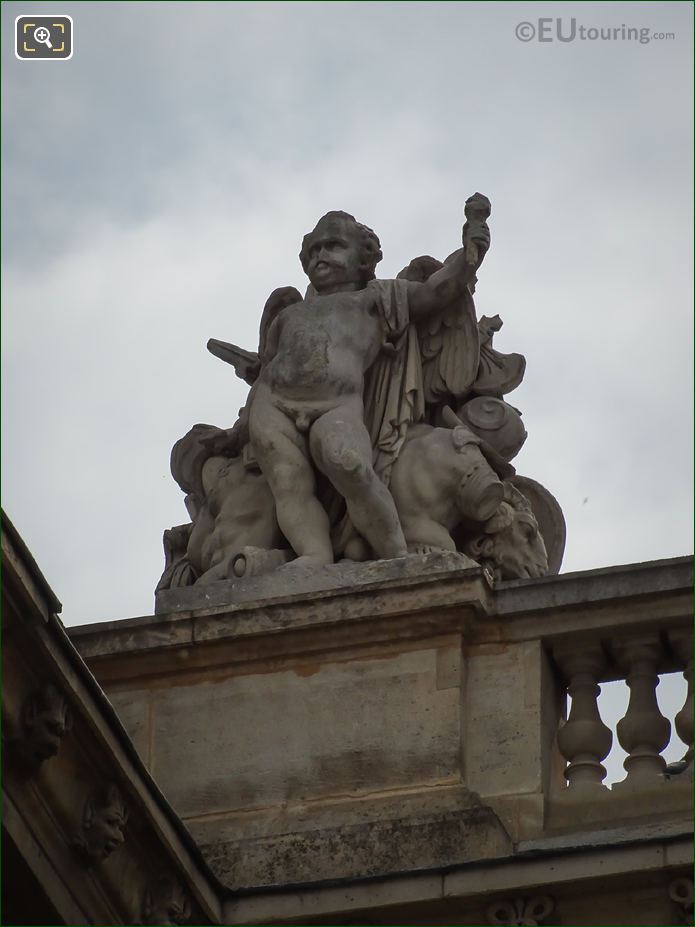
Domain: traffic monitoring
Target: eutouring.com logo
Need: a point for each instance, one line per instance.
(43, 38)
(558, 29)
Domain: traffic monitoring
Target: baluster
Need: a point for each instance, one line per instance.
(584, 740)
(682, 643)
(643, 732)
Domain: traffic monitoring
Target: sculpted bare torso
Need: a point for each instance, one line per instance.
(323, 346)
(307, 409)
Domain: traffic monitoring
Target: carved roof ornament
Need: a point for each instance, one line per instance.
(375, 427)
(45, 719)
(166, 903)
(520, 912)
(104, 820)
(681, 891)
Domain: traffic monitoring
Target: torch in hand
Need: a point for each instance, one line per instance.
(477, 211)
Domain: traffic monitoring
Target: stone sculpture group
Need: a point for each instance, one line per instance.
(375, 426)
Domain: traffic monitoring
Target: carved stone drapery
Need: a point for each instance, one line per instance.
(584, 740)
(520, 912)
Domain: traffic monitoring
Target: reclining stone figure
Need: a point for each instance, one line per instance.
(232, 510)
(447, 495)
(448, 477)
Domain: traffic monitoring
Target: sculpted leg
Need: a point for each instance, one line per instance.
(282, 455)
(341, 448)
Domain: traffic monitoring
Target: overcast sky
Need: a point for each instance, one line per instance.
(158, 184)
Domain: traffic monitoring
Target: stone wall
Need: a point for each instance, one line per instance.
(407, 726)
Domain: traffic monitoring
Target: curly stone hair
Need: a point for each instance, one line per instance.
(370, 245)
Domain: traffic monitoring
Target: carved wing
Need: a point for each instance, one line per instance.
(449, 342)
(246, 364)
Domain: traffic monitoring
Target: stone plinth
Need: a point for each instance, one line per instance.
(289, 581)
(402, 724)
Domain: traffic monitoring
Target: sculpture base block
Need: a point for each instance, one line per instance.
(290, 580)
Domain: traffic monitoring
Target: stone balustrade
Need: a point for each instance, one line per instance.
(585, 741)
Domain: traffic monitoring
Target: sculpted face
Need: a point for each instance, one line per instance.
(46, 718)
(104, 825)
(334, 256)
(108, 832)
(47, 734)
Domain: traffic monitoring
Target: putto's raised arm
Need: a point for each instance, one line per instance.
(449, 282)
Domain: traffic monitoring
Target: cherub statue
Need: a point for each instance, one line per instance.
(344, 379)
(341, 379)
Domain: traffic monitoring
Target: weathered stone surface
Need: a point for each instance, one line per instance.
(659, 579)
(611, 885)
(283, 728)
(356, 724)
(372, 848)
(133, 710)
(284, 583)
(507, 747)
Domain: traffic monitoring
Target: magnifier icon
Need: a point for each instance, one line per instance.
(43, 36)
